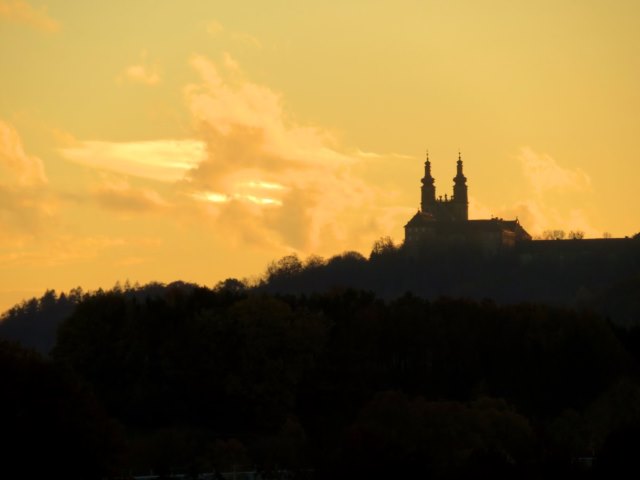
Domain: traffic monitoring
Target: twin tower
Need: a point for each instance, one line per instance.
(445, 209)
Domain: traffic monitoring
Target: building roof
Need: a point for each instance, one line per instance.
(422, 219)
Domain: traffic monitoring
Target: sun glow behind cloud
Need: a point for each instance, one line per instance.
(262, 179)
(214, 197)
(323, 205)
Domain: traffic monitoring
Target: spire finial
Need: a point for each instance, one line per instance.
(427, 154)
(459, 155)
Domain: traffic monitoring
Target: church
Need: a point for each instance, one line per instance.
(446, 220)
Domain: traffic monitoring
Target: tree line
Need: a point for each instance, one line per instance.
(339, 384)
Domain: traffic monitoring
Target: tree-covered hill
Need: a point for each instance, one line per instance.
(331, 369)
(598, 275)
(349, 385)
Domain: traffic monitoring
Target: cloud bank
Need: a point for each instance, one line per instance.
(268, 179)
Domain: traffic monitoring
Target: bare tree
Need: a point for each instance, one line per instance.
(382, 245)
(553, 234)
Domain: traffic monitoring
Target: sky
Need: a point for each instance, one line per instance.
(197, 140)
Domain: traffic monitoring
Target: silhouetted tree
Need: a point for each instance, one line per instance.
(553, 235)
(382, 246)
(231, 285)
(33, 323)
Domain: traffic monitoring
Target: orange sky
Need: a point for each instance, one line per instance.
(198, 140)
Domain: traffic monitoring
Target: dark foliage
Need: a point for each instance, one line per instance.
(601, 275)
(34, 322)
(50, 425)
(302, 371)
(344, 382)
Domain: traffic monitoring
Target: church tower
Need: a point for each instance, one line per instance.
(460, 199)
(428, 188)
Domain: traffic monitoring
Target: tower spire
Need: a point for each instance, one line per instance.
(460, 196)
(428, 193)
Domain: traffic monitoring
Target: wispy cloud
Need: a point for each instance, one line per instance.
(66, 249)
(142, 73)
(246, 39)
(383, 156)
(118, 194)
(19, 11)
(215, 29)
(25, 203)
(25, 211)
(162, 160)
(544, 173)
(24, 169)
(536, 216)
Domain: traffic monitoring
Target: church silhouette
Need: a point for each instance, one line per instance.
(446, 220)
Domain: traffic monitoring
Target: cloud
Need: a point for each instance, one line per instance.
(250, 174)
(25, 203)
(118, 194)
(537, 210)
(537, 216)
(383, 156)
(246, 39)
(269, 180)
(25, 170)
(21, 12)
(216, 29)
(161, 160)
(141, 73)
(63, 249)
(544, 173)
(537, 213)
(25, 211)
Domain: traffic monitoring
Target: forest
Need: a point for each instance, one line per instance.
(336, 381)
